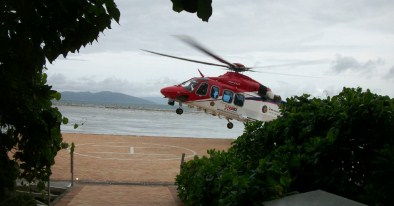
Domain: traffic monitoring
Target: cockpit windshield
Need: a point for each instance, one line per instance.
(189, 85)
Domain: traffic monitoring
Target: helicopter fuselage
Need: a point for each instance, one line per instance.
(231, 95)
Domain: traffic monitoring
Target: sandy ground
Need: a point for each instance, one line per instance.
(132, 163)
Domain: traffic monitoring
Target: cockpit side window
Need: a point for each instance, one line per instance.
(203, 89)
(215, 92)
(227, 96)
(190, 85)
(239, 100)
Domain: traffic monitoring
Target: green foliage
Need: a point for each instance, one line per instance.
(202, 7)
(210, 168)
(18, 199)
(224, 178)
(343, 145)
(31, 32)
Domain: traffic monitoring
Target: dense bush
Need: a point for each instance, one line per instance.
(17, 199)
(343, 145)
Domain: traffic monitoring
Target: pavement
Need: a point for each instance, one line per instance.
(126, 170)
(88, 194)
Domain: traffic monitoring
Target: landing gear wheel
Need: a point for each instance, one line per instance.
(230, 125)
(179, 111)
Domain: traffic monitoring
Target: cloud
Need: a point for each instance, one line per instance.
(348, 63)
(390, 74)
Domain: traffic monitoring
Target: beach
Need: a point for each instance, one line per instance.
(126, 169)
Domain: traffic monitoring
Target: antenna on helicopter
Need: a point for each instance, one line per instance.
(200, 73)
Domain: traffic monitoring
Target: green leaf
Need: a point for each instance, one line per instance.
(65, 120)
(204, 9)
(112, 10)
(177, 5)
(64, 145)
(56, 95)
(190, 5)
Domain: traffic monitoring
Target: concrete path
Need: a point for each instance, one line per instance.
(88, 194)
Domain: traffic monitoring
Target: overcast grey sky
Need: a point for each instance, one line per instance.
(352, 42)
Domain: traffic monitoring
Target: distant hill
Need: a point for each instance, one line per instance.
(105, 97)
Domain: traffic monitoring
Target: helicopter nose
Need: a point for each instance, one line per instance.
(169, 92)
(175, 93)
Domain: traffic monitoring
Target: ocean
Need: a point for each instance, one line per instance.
(146, 121)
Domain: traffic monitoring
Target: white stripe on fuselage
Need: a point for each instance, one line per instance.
(251, 110)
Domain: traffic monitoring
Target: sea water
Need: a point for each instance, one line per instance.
(142, 121)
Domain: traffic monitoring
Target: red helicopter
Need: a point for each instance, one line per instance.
(232, 95)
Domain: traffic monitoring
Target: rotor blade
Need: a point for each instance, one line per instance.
(190, 60)
(294, 64)
(198, 46)
(292, 75)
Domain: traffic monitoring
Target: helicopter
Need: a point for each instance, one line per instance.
(233, 95)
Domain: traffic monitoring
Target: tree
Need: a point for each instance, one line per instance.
(33, 32)
(343, 144)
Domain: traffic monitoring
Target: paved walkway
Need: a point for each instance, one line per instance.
(87, 194)
(127, 170)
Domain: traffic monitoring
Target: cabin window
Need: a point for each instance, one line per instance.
(215, 92)
(239, 100)
(227, 96)
(203, 89)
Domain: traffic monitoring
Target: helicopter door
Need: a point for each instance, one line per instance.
(203, 89)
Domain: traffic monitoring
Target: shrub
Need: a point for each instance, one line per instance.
(343, 145)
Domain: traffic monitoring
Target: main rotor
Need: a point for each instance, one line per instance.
(236, 67)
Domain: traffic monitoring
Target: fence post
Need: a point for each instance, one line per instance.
(182, 161)
(72, 163)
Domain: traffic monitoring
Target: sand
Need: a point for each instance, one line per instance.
(137, 159)
(126, 170)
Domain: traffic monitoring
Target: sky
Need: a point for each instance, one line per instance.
(332, 43)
